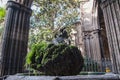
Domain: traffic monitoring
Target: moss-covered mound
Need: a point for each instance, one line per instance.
(56, 59)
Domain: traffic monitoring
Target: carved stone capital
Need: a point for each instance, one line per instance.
(18, 6)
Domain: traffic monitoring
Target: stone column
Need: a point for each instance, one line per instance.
(111, 12)
(86, 43)
(15, 37)
(79, 37)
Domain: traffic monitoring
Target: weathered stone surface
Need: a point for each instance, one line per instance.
(77, 77)
(30, 78)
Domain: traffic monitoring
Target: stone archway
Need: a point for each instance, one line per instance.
(94, 36)
(15, 37)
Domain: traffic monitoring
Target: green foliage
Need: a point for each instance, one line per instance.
(36, 53)
(49, 16)
(2, 14)
(39, 35)
(2, 17)
(55, 59)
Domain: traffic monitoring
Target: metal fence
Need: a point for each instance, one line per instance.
(102, 65)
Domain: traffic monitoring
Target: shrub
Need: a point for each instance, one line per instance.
(57, 59)
(35, 56)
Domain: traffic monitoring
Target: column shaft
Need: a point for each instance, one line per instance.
(15, 38)
(111, 12)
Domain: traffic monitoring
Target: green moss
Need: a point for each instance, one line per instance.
(36, 53)
(56, 59)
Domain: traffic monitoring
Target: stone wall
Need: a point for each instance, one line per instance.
(90, 30)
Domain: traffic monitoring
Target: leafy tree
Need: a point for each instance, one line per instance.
(51, 15)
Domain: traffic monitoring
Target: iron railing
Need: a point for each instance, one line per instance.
(102, 65)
